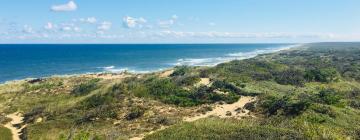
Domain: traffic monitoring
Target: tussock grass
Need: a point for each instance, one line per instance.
(5, 134)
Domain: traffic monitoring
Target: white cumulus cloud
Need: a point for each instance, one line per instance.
(168, 23)
(131, 22)
(105, 26)
(49, 26)
(28, 29)
(91, 20)
(70, 6)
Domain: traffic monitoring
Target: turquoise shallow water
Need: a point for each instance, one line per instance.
(25, 61)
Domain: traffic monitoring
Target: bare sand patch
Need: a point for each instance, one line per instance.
(108, 76)
(204, 81)
(151, 132)
(17, 118)
(166, 73)
(235, 110)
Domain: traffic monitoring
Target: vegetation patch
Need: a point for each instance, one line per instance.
(5, 133)
(219, 129)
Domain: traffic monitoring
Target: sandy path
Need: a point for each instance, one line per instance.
(166, 73)
(223, 111)
(151, 132)
(219, 110)
(16, 119)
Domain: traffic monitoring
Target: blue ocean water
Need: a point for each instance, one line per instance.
(30, 61)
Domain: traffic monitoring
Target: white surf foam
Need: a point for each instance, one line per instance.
(114, 69)
(229, 57)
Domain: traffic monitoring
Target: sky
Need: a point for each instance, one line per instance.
(179, 21)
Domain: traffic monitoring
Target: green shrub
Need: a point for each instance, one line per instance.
(262, 76)
(354, 94)
(162, 87)
(31, 116)
(205, 73)
(180, 71)
(188, 80)
(354, 104)
(82, 136)
(161, 120)
(290, 77)
(323, 109)
(316, 118)
(168, 92)
(322, 75)
(101, 112)
(44, 84)
(118, 91)
(97, 100)
(227, 87)
(250, 106)
(135, 112)
(329, 96)
(285, 105)
(85, 88)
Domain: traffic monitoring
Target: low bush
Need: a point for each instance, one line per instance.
(329, 96)
(322, 75)
(180, 71)
(316, 118)
(290, 77)
(354, 104)
(323, 109)
(31, 116)
(284, 106)
(97, 100)
(135, 112)
(161, 120)
(188, 80)
(85, 88)
(250, 106)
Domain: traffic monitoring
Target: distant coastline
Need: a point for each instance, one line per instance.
(207, 62)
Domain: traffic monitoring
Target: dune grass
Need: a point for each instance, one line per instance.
(302, 94)
(5, 134)
(223, 129)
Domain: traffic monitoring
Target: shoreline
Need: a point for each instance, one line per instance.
(132, 72)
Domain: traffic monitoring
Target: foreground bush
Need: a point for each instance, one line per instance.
(221, 129)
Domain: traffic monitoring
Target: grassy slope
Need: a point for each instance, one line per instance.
(296, 108)
(294, 100)
(224, 129)
(5, 133)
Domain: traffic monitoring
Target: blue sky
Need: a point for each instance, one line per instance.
(178, 21)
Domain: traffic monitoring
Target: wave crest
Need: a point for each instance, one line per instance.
(230, 57)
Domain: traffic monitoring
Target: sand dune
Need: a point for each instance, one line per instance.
(235, 110)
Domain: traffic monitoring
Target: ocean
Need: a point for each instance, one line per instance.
(32, 61)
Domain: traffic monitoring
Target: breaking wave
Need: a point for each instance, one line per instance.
(229, 57)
